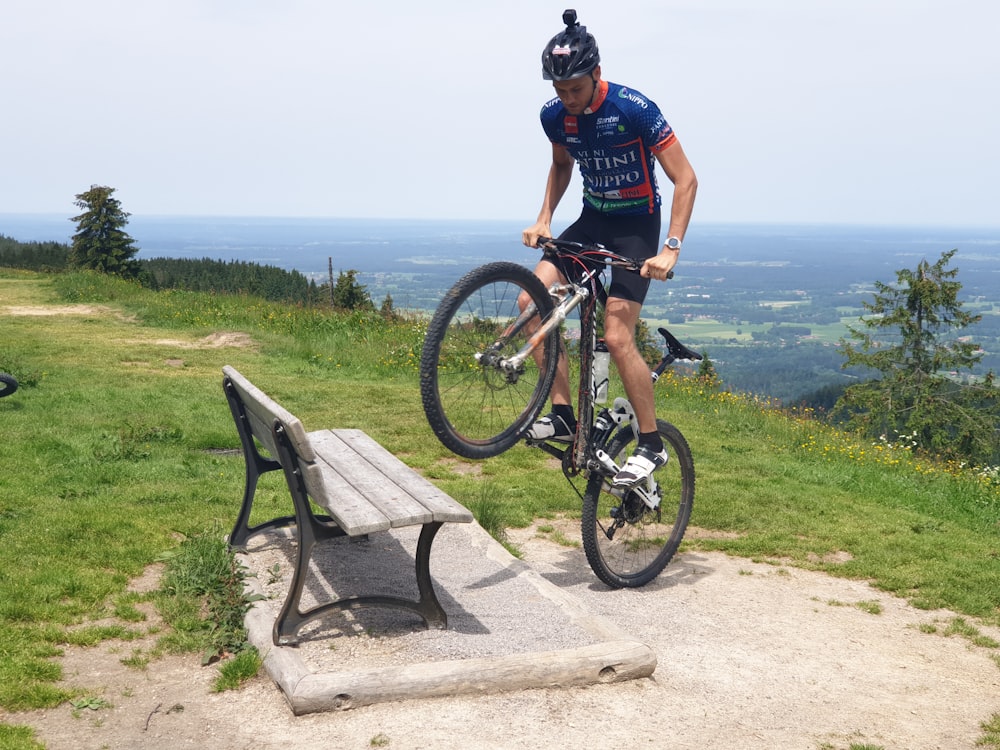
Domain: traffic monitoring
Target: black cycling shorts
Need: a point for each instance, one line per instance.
(632, 236)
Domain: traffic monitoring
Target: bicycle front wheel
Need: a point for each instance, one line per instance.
(628, 543)
(476, 403)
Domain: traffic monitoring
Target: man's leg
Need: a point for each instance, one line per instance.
(620, 319)
(560, 395)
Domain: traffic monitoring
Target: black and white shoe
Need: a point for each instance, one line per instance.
(640, 466)
(551, 427)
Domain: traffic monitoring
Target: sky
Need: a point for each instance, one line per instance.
(791, 111)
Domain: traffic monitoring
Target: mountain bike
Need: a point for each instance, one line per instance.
(486, 369)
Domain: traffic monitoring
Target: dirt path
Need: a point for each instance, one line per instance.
(750, 656)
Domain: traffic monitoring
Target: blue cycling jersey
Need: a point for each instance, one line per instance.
(614, 142)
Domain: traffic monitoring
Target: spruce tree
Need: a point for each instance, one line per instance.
(101, 243)
(910, 338)
(706, 370)
(349, 294)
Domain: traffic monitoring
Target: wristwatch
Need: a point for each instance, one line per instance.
(673, 243)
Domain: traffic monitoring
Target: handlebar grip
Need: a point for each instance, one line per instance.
(638, 269)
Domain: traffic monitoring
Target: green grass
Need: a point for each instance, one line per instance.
(202, 600)
(234, 672)
(493, 514)
(18, 738)
(118, 448)
(991, 733)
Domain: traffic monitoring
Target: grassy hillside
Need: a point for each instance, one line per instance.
(119, 444)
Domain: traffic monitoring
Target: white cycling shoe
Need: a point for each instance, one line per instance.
(640, 466)
(552, 427)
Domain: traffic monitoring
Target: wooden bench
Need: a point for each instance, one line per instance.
(363, 488)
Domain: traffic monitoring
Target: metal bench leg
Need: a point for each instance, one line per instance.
(291, 617)
(310, 528)
(430, 608)
(256, 465)
(242, 530)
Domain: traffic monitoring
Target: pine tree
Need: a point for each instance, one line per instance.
(388, 309)
(101, 243)
(706, 370)
(349, 294)
(910, 339)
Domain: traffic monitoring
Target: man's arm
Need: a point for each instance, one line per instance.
(680, 172)
(560, 173)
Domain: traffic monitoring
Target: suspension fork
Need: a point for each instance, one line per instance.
(560, 312)
(489, 357)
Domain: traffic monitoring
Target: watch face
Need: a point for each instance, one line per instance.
(673, 243)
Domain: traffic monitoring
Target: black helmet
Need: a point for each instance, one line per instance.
(571, 53)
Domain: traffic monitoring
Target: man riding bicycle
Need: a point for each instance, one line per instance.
(617, 136)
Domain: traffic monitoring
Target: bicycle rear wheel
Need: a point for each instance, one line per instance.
(475, 406)
(627, 543)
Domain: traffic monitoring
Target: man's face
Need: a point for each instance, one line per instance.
(576, 94)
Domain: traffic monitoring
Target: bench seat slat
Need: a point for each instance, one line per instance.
(352, 510)
(442, 507)
(402, 508)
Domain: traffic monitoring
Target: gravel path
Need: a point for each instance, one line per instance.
(750, 655)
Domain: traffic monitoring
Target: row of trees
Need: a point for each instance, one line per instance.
(102, 244)
(229, 277)
(33, 256)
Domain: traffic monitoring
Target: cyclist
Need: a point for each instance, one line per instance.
(616, 136)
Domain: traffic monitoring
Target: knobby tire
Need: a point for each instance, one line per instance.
(641, 548)
(8, 384)
(474, 408)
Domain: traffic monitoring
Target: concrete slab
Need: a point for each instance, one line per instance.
(509, 628)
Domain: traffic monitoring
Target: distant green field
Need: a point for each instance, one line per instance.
(708, 330)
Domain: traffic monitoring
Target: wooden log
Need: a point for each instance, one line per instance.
(613, 661)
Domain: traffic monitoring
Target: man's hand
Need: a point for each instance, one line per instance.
(530, 235)
(660, 265)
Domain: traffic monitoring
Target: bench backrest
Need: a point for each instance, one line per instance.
(262, 414)
(362, 486)
(262, 411)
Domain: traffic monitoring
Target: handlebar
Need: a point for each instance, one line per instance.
(595, 253)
